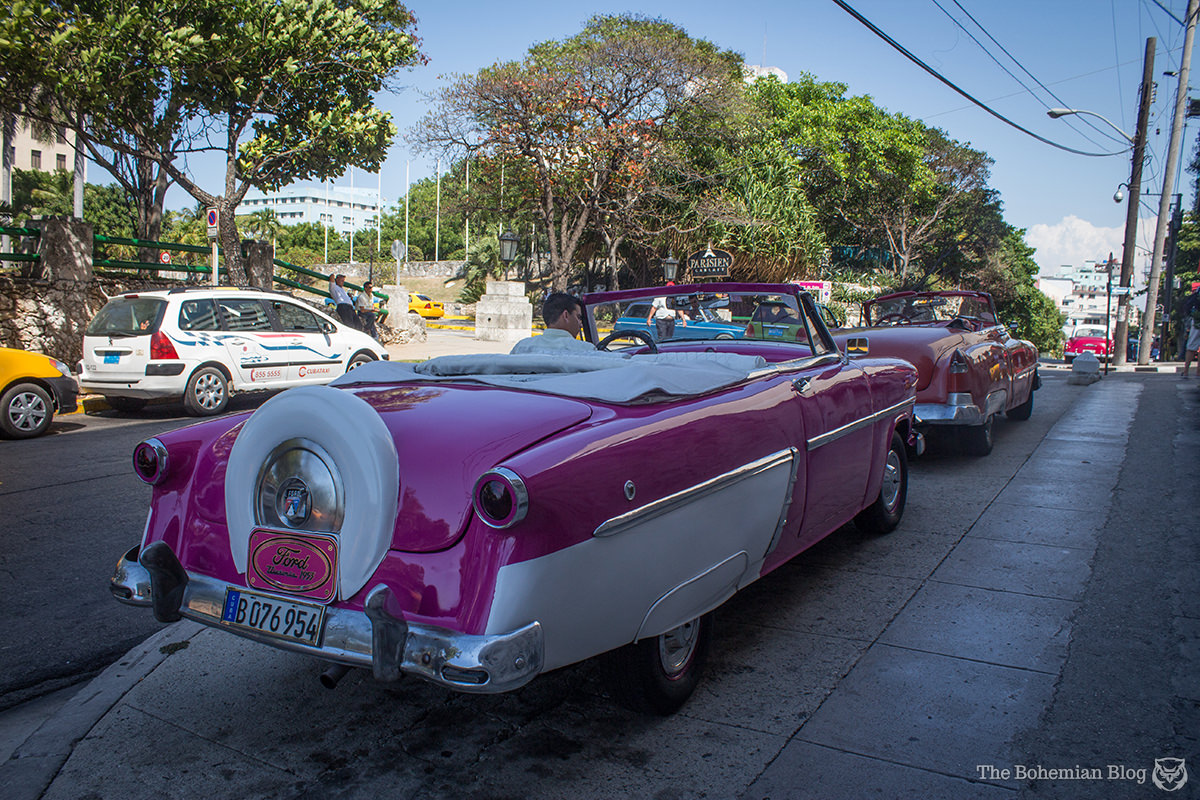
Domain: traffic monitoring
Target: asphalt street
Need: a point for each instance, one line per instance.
(1032, 629)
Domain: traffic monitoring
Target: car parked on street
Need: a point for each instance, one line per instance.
(33, 388)
(425, 306)
(971, 367)
(202, 344)
(697, 321)
(580, 503)
(1089, 339)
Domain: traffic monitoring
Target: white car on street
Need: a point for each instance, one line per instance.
(201, 345)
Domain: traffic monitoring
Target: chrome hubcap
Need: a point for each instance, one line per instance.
(890, 491)
(677, 647)
(27, 411)
(210, 391)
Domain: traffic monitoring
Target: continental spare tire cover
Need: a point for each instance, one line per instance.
(331, 448)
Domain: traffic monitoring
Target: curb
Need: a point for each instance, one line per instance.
(37, 761)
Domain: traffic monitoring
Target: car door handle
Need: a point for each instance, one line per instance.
(800, 385)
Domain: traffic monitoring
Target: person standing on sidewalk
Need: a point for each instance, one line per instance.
(1191, 330)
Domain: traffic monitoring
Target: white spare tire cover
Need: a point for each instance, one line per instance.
(355, 438)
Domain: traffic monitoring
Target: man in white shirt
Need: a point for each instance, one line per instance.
(342, 301)
(662, 317)
(564, 320)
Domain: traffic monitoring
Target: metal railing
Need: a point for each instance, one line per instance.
(32, 233)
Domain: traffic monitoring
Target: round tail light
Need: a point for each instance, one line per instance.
(150, 461)
(500, 498)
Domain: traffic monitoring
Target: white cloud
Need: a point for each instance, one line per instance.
(1074, 241)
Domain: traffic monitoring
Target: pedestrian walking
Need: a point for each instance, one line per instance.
(1191, 323)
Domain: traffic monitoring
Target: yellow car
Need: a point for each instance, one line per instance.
(32, 388)
(426, 307)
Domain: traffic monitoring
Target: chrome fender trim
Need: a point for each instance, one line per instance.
(665, 505)
(862, 422)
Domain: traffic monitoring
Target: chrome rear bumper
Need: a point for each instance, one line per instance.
(373, 638)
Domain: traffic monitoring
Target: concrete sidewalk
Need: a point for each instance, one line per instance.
(1037, 609)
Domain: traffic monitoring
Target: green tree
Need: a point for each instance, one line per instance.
(1010, 276)
(578, 125)
(283, 89)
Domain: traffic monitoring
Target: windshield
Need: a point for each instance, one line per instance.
(925, 308)
(679, 315)
(128, 315)
(1091, 333)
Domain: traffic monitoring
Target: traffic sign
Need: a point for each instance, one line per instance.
(398, 249)
(212, 223)
(164, 257)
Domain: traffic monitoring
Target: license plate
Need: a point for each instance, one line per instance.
(299, 622)
(112, 358)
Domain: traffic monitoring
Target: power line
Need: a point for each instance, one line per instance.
(900, 48)
(1016, 61)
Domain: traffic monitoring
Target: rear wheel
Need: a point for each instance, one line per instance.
(977, 439)
(207, 392)
(884, 514)
(126, 405)
(25, 411)
(1022, 412)
(659, 674)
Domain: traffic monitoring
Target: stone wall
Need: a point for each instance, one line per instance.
(49, 316)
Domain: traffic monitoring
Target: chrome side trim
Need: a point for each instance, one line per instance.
(851, 427)
(787, 504)
(665, 505)
(487, 664)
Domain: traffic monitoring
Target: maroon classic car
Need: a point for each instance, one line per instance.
(479, 520)
(971, 368)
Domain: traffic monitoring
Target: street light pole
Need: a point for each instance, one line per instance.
(1128, 253)
(1121, 334)
(1164, 201)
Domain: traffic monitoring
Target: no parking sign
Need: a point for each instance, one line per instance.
(212, 223)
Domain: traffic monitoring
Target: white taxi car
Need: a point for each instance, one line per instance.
(201, 345)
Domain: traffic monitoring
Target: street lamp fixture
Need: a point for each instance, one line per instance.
(670, 267)
(508, 247)
(1055, 113)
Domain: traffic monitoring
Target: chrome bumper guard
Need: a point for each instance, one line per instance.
(388, 645)
(959, 409)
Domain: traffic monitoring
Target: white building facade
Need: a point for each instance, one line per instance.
(343, 209)
(1081, 294)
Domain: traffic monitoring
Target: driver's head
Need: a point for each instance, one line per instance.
(564, 312)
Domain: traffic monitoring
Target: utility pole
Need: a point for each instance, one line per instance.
(1164, 200)
(1121, 332)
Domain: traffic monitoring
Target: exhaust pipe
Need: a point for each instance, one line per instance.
(332, 676)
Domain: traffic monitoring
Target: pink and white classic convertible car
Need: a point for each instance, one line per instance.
(478, 520)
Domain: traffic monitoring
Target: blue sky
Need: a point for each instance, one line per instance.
(1088, 52)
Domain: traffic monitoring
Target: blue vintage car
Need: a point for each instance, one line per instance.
(702, 320)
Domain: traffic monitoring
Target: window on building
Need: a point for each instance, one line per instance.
(60, 161)
(61, 134)
(35, 159)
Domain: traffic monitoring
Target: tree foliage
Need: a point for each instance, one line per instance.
(281, 88)
(575, 130)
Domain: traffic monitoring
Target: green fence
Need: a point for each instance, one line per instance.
(116, 264)
(31, 233)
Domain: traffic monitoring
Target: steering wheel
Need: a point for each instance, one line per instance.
(895, 318)
(642, 336)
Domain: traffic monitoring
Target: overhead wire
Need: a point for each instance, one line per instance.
(1106, 133)
(943, 79)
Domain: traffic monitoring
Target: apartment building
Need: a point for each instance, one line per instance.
(342, 208)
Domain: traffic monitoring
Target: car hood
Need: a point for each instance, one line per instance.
(446, 437)
(920, 345)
